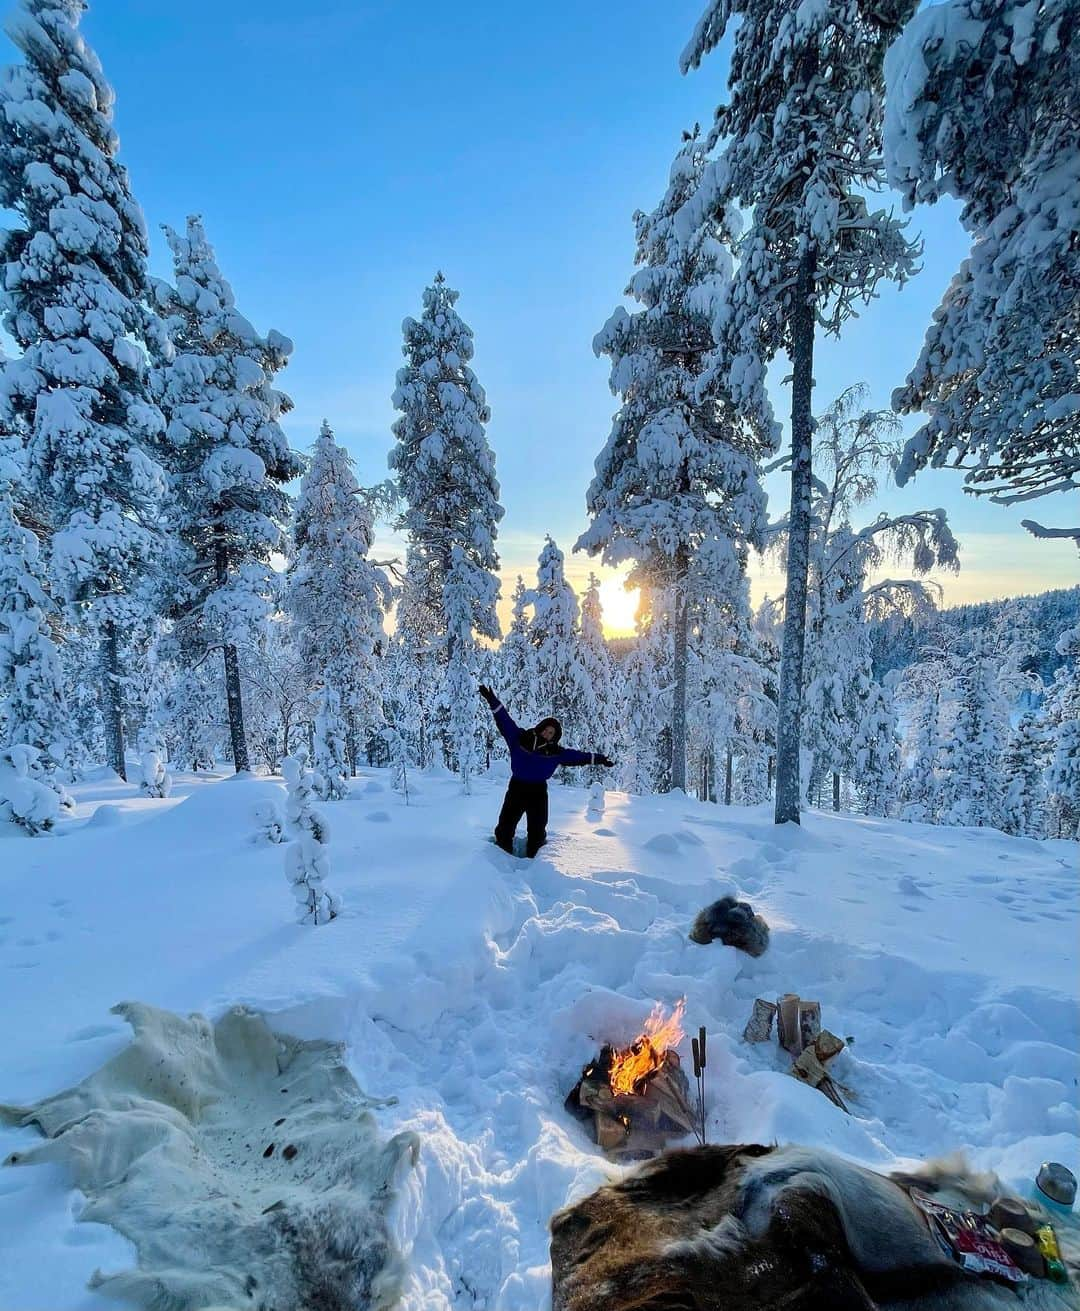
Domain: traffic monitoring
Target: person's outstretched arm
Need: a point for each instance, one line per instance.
(567, 756)
(506, 725)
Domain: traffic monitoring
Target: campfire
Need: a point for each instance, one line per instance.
(635, 1098)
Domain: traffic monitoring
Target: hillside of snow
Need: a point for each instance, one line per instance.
(472, 986)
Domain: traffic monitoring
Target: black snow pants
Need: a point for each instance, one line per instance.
(530, 800)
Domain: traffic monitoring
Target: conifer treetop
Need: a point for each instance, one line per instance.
(799, 156)
(74, 276)
(680, 467)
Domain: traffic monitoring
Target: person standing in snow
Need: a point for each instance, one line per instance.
(535, 754)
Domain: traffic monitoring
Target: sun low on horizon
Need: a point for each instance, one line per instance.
(619, 606)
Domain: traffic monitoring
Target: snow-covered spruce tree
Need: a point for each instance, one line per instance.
(876, 752)
(445, 474)
(336, 594)
(154, 777)
(330, 758)
(269, 820)
(192, 712)
(397, 750)
(1023, 769)
(971, 785)
(79, 652)
(517, 672)
(32, 708)
(919, 792)
(277, 695)
(469, 598)
(29, 796)
(562, 684)
(854, 446)
(1063, 782)
(731, 715)
(645, 676)
(73, 286)
(306, 859)
(599, 669)
(800, 153)
(228, 459)
(982, 106)
(680, 467)
(413, 671)
(1060, 722)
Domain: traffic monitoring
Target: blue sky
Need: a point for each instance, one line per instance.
(342, 151)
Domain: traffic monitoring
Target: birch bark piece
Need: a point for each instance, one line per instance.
(759, 1025)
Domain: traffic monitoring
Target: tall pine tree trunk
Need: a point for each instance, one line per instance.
(789, 710)
(114, 699)
(232, 681)
(728, 763)
(835, 791)
(678, 705)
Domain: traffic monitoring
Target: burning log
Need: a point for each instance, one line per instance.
(637, 1098)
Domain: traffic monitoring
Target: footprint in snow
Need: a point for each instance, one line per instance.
(909, 887)
(378, 817)
(604, 832)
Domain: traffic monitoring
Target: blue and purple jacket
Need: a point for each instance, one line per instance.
(531, 765)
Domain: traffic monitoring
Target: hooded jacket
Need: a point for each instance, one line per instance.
(532, 760)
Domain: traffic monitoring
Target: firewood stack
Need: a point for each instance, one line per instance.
(637, 1125)
(799, 1032)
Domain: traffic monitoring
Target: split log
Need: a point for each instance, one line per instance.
(673, 1103)
(809, 1069)
(611, 1133)
(759, 1025)
(787, 1023)
(827, 1045)
(809, 1021)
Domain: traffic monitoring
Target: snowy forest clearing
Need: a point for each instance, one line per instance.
(472, 986)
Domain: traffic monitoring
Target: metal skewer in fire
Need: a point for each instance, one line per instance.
(698, 1047)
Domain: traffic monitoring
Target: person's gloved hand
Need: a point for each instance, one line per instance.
(606, 761)
(489, 696)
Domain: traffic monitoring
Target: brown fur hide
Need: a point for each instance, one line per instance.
(750, 1228)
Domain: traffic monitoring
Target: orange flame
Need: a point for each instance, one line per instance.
(646, 1054)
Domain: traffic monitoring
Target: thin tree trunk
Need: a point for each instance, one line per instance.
(728, 763)
(789, 711)
(114, 700)
(678, 706)
(835, 791)
(232, 682)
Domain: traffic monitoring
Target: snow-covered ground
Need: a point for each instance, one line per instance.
(472, 986)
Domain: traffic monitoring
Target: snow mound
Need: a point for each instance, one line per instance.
(209, 811)
(671, 843)
(243, 1164)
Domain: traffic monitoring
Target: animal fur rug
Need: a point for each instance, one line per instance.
(244, 1165)
(753, 1228)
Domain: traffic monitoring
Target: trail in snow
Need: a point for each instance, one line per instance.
(473, 986)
